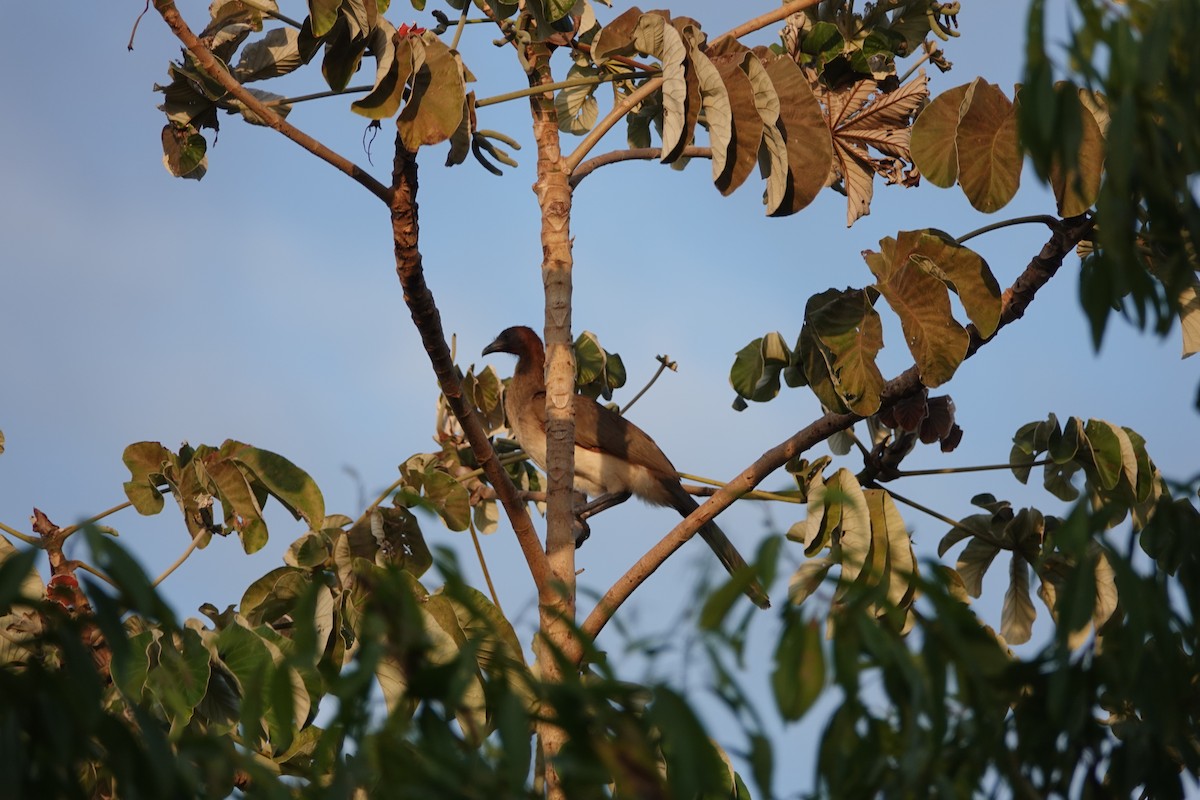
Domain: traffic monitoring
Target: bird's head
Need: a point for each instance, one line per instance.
(518, 340)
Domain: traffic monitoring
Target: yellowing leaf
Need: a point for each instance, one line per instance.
(746, 122)
(973, 562)
(435, 108)
(575, 106)
(802, 124)
(393, 69)
(989, 156)
(937, 342)
(1076, 189)
(714, 99)
(934, 135)
(1189, 318)
(808, 578)
(854, 542)
(965, 271)
(1018, 614)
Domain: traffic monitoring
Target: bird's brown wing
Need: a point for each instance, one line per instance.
(597, 428)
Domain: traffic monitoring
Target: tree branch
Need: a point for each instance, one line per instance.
(425, 315)
(636, 153)
(217, 72)
(1067, 234)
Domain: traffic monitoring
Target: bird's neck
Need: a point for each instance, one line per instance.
(531, 367)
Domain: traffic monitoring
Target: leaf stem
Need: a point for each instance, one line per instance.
(910, 473)
(1045, 219)
(288, 101)
(93, 571)
(587, 80)
(487, 575)
(953, 523)
(26, 538)
(913, 68)
(182, 558)
(663, 363)
(632, 154)
(70, 529)
(458, 29)
(752, 495)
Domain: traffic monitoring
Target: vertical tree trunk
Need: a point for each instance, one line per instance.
(554, 200)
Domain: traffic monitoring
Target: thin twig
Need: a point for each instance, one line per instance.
(1065, 236)
(899, 498)
(192, 545)
(26, 538)
(487, 575)
(912, 473)
(303, 98)
(632, 154)
(913, 67)
(213, 68)
(458, 29)
(1043, 219)
(70, 529)
(714, 485)
(529, 91)
(92, 570)
(664, 362)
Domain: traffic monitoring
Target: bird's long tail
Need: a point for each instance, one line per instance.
(724, 549)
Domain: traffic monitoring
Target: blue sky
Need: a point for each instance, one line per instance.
(261, 304)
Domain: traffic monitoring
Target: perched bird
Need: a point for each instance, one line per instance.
(613, 457)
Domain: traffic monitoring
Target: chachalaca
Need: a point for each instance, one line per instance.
(613, 457)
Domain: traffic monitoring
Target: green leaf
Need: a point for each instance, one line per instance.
(242, 512)
(693, 765)
(180, 678)
(848, 326)
(654, 36)
(937, 342)
(286, 482)
(799, 674)
(935, 132)
(323, 14)
(988, 153)
(1111, 452)
(756, 367)
(184, 151)
(450, 499)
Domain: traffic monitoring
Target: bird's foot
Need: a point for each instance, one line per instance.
(582, 531)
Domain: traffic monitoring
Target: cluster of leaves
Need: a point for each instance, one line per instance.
(842, 333)
(414, 68)
(195, 708)
(238, 475)
(760, 106)
(1142, 59)
(933, 703)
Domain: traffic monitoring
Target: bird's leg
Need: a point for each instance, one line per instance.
(601, 503)
(583, 510)
(580, 527)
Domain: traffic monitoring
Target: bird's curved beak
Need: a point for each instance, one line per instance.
(495, 347)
